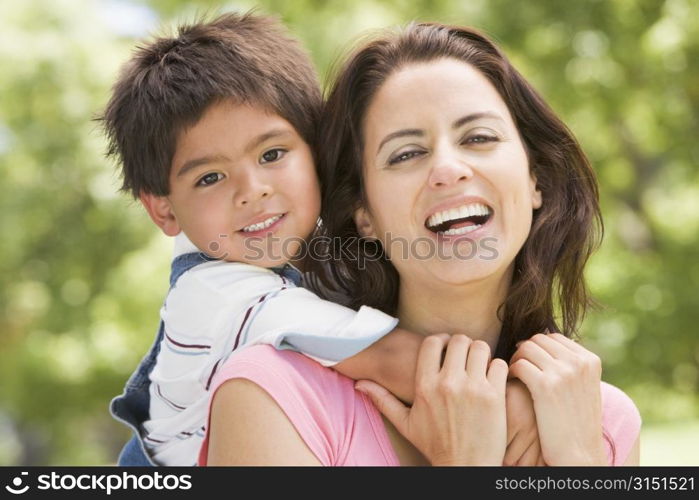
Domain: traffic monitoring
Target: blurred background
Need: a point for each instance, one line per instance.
(83, 272)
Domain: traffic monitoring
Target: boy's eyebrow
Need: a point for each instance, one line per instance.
(419, 133)
(266, 136)
(196, 162)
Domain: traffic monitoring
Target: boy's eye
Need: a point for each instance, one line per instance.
(404, 156)
(209, 179)
(273, 155)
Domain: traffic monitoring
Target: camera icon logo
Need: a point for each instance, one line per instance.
(17, 483)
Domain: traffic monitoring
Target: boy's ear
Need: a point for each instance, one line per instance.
(362, 220)
(160, 211)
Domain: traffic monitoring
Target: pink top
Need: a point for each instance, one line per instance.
(342, 427)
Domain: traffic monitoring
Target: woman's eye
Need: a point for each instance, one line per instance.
(405, 156)
(209, 179)
(480, 139)
(273, 155)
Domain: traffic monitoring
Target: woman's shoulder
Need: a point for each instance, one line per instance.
(618, 404)
(318, 401)
(621, 421)
(279, 366)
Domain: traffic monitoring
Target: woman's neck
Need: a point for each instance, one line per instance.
(470, 309)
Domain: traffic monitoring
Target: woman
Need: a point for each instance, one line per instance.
(477, 212)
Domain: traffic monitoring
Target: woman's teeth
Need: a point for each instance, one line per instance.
(461, 212)
(477, 212)
(262, 225)
(461, 230)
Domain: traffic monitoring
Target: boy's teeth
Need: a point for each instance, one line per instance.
(461, 212)
(461, 230)
(262, 225)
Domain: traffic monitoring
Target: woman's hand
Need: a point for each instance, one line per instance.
(564, 380)
(523, 447)
(458, 416)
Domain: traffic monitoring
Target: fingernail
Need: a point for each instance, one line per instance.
(517, 344)
(359, 387)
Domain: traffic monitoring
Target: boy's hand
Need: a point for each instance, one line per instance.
(390, 362)
(523, 446)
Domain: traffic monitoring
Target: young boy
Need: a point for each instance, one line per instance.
(214, 130)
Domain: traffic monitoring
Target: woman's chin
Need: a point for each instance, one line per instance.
(456, 272)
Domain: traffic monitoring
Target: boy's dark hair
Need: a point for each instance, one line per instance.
(170, 82)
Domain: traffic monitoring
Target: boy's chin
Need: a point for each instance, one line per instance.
(264, 255)
(265, 261)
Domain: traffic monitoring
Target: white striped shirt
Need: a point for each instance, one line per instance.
(218, 307)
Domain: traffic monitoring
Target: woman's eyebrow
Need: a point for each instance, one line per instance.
(475, 116)
(400, 133)
(420, 133)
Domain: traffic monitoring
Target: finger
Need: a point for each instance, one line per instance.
(527, 372)
(515, 449)
(497, 374)
(457, 352)
(531, 455)
(568, 343)
(540, 461)
(429, 361)
(478, 359)
(578, 354)
(430, 356)
(555, 349)
(395, 411)
(534, 353)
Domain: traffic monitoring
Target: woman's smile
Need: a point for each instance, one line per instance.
(444, 163)
(460, 218)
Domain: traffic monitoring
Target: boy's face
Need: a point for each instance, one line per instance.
(243, 186)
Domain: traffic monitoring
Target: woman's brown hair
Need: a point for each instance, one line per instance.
(548, 273)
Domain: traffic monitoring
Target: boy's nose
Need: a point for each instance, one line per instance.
(247, 199)
(252, 189)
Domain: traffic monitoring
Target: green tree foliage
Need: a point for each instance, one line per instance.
(83, 271)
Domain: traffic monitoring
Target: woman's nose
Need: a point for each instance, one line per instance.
(448, 169)
(251, 188)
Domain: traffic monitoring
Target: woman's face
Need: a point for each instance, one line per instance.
(449, 192)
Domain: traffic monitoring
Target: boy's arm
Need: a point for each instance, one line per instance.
(295, 318)
(363, 344)
(390, 362)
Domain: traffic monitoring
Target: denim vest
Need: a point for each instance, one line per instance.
(131, 407)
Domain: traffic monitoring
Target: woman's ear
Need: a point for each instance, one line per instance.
(160, 211)
(536, 194)
(362, 220)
